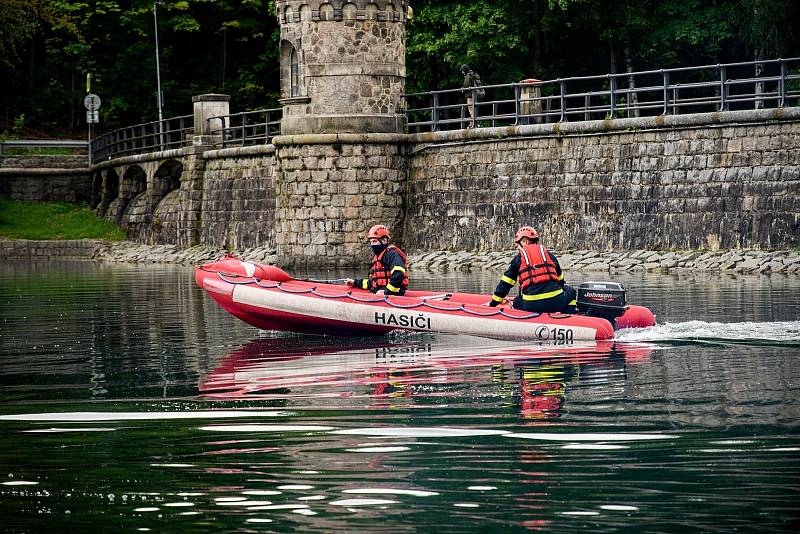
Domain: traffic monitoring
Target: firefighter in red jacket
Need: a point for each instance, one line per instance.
(387, 272)
(541, 282)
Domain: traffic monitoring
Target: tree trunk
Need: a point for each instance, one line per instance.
(72, 117)
(224, 59)
(758, 71)
(633, 98)
(612, 57)
(31, 64)
(538, 39)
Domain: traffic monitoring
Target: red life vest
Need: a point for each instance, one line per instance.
(378, 274)
(536, 266)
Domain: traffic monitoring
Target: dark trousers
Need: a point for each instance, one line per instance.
(559, 303)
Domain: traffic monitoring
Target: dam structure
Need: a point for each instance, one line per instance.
(701, 165)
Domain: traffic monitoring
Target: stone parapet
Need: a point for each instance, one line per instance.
(634, 124)
(718, 186)
(61, 162)
(136, 159)
(290, 11)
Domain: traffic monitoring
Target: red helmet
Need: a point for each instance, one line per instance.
(378, 231)
(526, 231)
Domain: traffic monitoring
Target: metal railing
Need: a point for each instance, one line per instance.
(166, 134)
(34, 144)
(724, 87)
(246, 128)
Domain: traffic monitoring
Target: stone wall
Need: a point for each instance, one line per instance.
(721, 181)
(45, 178)
(71, 249)
(238, 198)
(331, 190)
(643, 184)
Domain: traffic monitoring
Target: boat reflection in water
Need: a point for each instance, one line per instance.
(410, 371)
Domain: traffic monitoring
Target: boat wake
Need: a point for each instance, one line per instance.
(783, 334)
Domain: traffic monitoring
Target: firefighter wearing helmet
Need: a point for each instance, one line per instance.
(387, 272)
(541, 282)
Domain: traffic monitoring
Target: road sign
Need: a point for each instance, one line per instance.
(92, 102)
(92, 117)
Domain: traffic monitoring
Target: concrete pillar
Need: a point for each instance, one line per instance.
(529, 103)
(206, 133)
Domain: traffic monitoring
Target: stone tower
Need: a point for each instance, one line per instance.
(341, 152)
(342, 65)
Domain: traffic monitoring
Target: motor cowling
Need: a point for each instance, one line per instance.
(602, 299)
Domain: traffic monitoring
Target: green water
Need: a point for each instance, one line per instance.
(129, 401)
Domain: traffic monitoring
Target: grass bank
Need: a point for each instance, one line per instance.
(53, 220)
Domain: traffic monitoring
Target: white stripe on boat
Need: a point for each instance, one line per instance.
(406, 319)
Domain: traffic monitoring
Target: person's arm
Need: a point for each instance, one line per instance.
(508, 281)
(559, 272)
(360, 283)
(394, 263)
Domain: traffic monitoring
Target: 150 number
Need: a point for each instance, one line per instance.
(562, 335)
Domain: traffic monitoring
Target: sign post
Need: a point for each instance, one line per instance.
(92, 104)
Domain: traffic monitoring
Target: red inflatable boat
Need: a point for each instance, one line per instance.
(268, 298)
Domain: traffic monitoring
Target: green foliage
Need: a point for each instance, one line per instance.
(231, 46)
(53, 220)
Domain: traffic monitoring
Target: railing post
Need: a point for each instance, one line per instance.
(612, 88)
(435, 112)
(782, 84)
(563, 100)
(587, 102)
(723, 96)
(665, 75)
(266, 128)
(548, 108)
(517, 92)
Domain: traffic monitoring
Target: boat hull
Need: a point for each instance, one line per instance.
(282, 303)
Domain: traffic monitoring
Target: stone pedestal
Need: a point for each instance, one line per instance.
(529, 103)
(206, 128)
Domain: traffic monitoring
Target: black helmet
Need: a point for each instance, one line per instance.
(465, 68)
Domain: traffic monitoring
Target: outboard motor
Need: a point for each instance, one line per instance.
(602, 299)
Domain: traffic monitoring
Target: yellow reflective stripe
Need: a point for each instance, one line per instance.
(390, 287)
(542, 296)
(497, 299)
(508, 280)
(561, 277)
(364, 284)
(398, 268)
(573, 302)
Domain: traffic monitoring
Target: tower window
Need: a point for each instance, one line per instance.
(294, 63)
